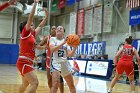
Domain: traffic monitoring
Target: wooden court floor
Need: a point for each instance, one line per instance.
(10, 80)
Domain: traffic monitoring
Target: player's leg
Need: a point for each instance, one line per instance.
(24, 85)
(33, 81)
(70, 82)
(49, 77)
(28, 76)
(119, 72)
(132, 84)
(130, 74)
(55, 81)
(113, 82)
(61, 86)
(66, 73)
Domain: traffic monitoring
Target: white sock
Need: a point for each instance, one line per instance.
(133, 92)
(109, 90)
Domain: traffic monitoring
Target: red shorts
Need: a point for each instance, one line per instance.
(125, 66)
(24, 66)
(47, 63)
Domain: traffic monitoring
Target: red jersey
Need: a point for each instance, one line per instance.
(27, 44)
(127, 53)
(126, 61)
(48, 52)
(4, 6)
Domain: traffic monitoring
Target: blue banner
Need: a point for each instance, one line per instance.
(70, 2)
(136, 44)
(134, 17)
(96, 48)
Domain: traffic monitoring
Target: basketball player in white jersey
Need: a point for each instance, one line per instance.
(46, 42)
(59, 64)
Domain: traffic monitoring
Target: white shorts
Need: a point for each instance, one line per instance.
(63, 67)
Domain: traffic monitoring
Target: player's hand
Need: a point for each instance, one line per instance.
(36, 1)
(12, 2)
(75, 46)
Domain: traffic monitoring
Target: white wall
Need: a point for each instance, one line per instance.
(63, 21)
(112, 43)
(120, 31)
(84, 3)
(6, 26)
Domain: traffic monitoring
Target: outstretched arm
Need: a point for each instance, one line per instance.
(30, 19)
(42, 44)
(38, 29)
(44, 41)
(6, 4)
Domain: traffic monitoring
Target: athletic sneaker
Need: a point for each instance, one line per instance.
(109, 91)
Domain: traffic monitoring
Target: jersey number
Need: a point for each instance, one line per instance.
(60, 53)
(127, 51)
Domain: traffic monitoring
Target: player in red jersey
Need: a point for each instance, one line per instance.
(27, 51)
(46, 42)
(125, 63)
(6, 4)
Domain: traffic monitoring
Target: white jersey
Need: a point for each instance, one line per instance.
(61, 54)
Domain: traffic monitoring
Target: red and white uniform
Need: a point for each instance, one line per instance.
(126, 60)
(3, 6)
(48, 53)
(27, 52)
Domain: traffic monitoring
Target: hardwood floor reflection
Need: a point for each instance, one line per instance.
(10, 80)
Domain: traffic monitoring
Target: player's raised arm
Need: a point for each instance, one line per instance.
(31, 15)
(44, 41)
(8, 3)
(38, 29)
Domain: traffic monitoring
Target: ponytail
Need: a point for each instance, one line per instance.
(21, 26)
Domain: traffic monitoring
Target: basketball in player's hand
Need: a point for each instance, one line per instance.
(73, 40)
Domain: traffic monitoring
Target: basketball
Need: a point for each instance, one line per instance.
(73, 40)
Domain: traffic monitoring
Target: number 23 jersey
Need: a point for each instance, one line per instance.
(61, 54)
(127, 53)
